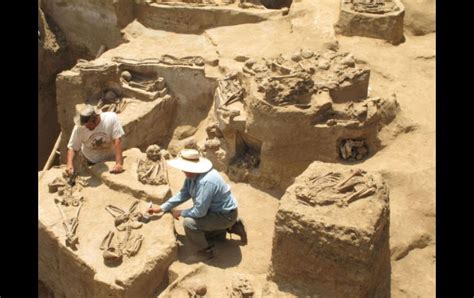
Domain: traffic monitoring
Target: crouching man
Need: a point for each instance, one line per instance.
(215, 209)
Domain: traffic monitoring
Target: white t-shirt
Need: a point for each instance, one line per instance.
(96, 144)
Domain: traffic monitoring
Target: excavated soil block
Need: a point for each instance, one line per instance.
(296, 108)
(82, 272)
(189, 19)
(328, 247)
(388, 25)
(357, 89)
(200, 280)
(127, 181)
(73, 89)
(144, 121)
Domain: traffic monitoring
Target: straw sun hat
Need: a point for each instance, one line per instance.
(189, 160)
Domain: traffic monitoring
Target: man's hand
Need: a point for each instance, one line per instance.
(69, 170)
(176, 213)
(154, 210)
(117, 169)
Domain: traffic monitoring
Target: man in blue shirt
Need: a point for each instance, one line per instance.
(215, 209)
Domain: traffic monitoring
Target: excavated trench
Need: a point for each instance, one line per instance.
(277, 135)
(54, 56)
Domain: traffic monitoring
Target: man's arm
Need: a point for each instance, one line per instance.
(69, 163)
(201, 202)
(181, 197)
(118, 168)
(73, 145)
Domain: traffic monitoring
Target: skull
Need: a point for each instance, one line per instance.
(126, 75)
(153, 152)
(112, 255)
(190, 143)
(110, 96)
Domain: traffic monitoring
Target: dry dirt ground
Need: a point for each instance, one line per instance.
(407, 162)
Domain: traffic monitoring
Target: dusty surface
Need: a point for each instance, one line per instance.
(420, 263)
(408, 164)
(406, 159)
(420, 16)
(258, 210)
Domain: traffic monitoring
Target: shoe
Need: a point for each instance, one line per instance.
(201, 255)
(217, 236)
(239, 229)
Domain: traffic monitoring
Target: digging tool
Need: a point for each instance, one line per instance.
(50, 160)
(72, 179)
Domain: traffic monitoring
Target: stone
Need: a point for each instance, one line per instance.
(250, 62)
(212, 144)
(323, 64)
(307, 53)
(191, 143)
(241, 58)
(296, 57)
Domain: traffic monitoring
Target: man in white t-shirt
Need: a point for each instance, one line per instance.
(97, 137)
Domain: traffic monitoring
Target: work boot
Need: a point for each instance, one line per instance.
(216, 235)
(239, 229)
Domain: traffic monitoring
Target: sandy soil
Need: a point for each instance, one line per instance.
(407, 163)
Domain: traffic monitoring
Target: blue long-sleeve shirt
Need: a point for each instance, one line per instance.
(209, 192)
